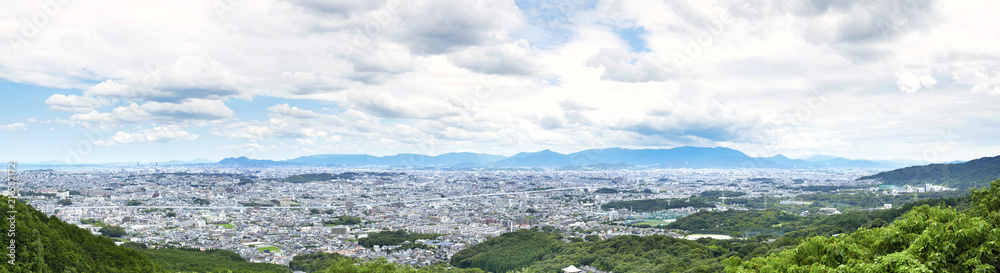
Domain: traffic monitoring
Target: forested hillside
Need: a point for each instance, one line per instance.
(196, 260)
(510, 251)
(925, 239)
(732, 221)
(962, 176)
(538, 251)
(647, 205)
(47, 244)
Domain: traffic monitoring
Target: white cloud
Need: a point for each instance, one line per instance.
(982, 78)
(623, 66)
(486, 75)
(191, 109)
(911, 82)
(188, 77)
(14, 126)
(74, 103)
(507, 59)
(157, 134)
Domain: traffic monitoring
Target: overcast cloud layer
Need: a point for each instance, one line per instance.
(913, 79)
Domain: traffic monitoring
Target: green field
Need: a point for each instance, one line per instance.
(227, 225)
(271, 248)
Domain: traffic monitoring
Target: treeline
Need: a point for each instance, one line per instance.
(648, 205)
(310, 177)
(315, 261)
(732, 221)
(925, 239)
(532, 250)
(44, 243)
(393, 238)
(631, 253)
(822, 225)
(542, 251)
(873, 199)
(509, 251)
(717, 194)
(818, 188)
(961, 176)
(343, 220)
(196, 260)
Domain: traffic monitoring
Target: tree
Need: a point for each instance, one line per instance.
(986, 203)
(606, 190)
(113, 231)
(133, 203)
(65, 202)
(171, 214)
(313, 211)
(592, 238)
(925, 239)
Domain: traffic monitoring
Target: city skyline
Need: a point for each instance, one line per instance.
(84, 83)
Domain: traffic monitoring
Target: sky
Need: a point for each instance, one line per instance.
(117, 81)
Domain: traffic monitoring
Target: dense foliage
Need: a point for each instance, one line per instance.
(112, 231)
(47, 244)
(310, 177)
(962, 176)
(925, 239)
(732, 221)
(343, 220)
(538, 251)
(509, 251)
(648, 205)
(606, 190)
(314, 261)
(635, 254)
(541, 251)
(392, 238)
(866, 199)
(717, 194)
(213, 260)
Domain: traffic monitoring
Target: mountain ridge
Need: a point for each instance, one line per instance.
(678, 157)
(973, 173)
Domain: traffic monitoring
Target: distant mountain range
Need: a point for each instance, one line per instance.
(681, 157)
(962, 176)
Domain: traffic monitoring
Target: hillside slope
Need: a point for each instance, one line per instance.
(47, 244)
(962, 176)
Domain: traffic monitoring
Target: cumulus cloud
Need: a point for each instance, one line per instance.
(14, 126)
(289, 111)
(74, 103)
(507, 59)
(983, 78)
(191, 109)
(623, 66)
(438, 27)
(190, 77)
(912, 82)
(385, 105)
(166, 133)
(557, 73)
